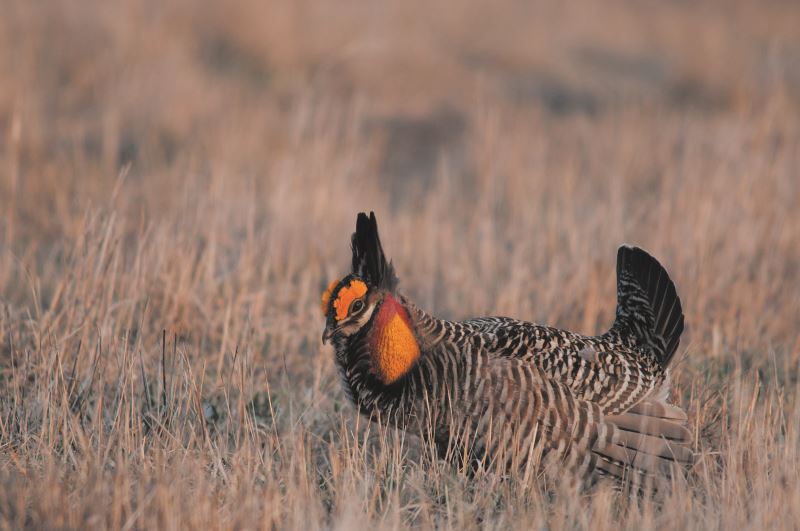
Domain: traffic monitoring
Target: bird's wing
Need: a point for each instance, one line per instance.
(523, 417)
(613, 375)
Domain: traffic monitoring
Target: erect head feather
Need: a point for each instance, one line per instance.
(369, 262)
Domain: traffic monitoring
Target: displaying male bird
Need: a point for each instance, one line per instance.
(497, 391)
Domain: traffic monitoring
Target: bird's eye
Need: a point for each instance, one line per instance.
(357, 306)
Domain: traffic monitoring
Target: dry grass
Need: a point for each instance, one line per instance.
(179, 182)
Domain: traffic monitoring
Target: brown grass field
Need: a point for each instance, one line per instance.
(179, 181)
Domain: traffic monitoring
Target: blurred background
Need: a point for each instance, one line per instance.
(202, 87)
(194, 169)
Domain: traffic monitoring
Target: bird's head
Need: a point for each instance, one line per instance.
(366, 300)
(348, 305)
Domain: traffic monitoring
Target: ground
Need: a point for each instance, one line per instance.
(178, 185)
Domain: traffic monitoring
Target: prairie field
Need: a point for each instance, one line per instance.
(179, 182)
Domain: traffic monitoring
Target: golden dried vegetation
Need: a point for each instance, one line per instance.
(179, 180)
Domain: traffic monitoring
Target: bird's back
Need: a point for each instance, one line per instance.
(595, 403)
(505, 412)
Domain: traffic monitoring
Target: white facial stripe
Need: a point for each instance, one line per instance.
(362, 319)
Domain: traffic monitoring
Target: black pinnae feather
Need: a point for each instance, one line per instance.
(369, 262)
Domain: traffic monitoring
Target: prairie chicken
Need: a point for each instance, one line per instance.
(500, 391)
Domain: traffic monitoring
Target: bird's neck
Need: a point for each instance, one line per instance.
(393, 368)
(393, 344)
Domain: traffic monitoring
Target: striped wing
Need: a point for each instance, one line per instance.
(524, 419)
(613, 375)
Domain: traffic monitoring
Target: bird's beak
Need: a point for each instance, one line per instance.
(328, 333)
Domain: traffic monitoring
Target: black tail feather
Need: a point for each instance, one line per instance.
(648, 307)
(369, 262)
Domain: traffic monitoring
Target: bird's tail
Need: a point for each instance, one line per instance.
(648, 308)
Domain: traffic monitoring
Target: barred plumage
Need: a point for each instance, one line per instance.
(497, 391)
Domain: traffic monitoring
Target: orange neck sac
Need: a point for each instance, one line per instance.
(394, 348)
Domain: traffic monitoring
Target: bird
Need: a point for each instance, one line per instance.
(505, 393)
